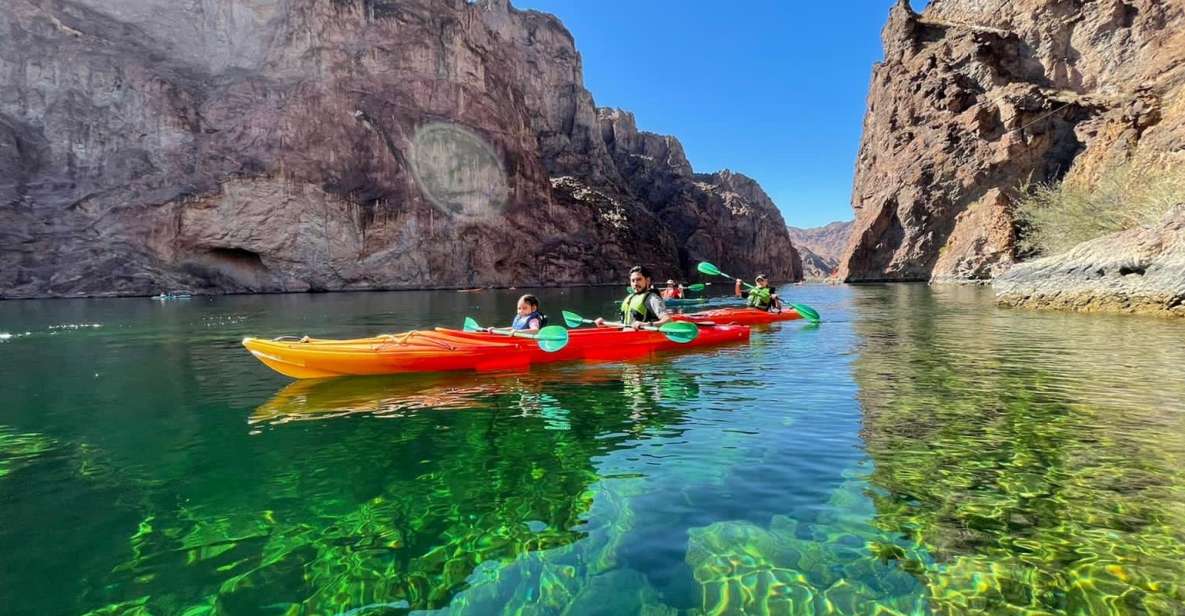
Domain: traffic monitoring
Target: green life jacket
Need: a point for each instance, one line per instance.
(760, 298)
(636, 307)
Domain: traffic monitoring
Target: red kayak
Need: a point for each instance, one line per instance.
(445, 350)
(740, 316)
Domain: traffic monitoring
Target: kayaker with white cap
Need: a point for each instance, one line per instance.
(762, 296)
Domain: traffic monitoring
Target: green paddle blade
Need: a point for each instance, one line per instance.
(680, 331)
(552, 338)
(807, 312)
(471, 325)
(697, 287)
(710, 270)
(571, 319)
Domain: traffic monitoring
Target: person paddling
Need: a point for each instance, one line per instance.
(762, 296)
(643, 305)
(527, 318)
(672, 290)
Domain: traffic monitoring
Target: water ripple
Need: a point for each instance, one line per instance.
(919, 451)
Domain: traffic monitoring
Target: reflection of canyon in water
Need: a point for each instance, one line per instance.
(918, 451)
(1035, 457)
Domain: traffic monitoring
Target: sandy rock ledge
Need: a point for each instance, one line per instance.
(1135, 271)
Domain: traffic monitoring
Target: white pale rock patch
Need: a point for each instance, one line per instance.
(1138, 270)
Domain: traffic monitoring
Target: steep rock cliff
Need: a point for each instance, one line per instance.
(288, 145)
(975, 98)
(722, 217)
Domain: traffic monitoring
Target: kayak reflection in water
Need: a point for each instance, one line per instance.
(672, 291)
(762, 296)
(528, 318)
(643, 305)
(547, 394)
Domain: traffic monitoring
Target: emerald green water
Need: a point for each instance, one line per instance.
(919, 452)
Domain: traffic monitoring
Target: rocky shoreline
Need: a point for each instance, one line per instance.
(1139, 271)
(207, 293)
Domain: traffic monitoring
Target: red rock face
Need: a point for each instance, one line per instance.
(975, 98)
(335, 144)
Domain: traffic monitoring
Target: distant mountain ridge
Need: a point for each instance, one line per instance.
(821, 247)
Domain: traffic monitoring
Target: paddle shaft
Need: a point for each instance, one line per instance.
(747, 285)
(551, 338)
(514, 333)
(650, 328)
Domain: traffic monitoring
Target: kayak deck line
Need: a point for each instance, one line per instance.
(446, 350)
(740, 316)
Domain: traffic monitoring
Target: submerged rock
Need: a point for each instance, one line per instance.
(1139, 270)
(827, 568)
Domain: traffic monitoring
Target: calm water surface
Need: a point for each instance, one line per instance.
(919, 452)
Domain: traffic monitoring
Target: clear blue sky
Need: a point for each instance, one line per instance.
(773, 89)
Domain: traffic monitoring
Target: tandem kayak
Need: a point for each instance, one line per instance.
(740, 316)
(444, 350)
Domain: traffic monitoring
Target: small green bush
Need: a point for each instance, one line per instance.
(1052, 218)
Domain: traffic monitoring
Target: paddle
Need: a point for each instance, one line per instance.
(807, 312)
(675, 331)
(696, 288)
(711, 270)
(551, 338)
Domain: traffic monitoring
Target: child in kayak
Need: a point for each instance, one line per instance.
(527, 318)
(643, 305)
(761, 297)
(673, 291)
